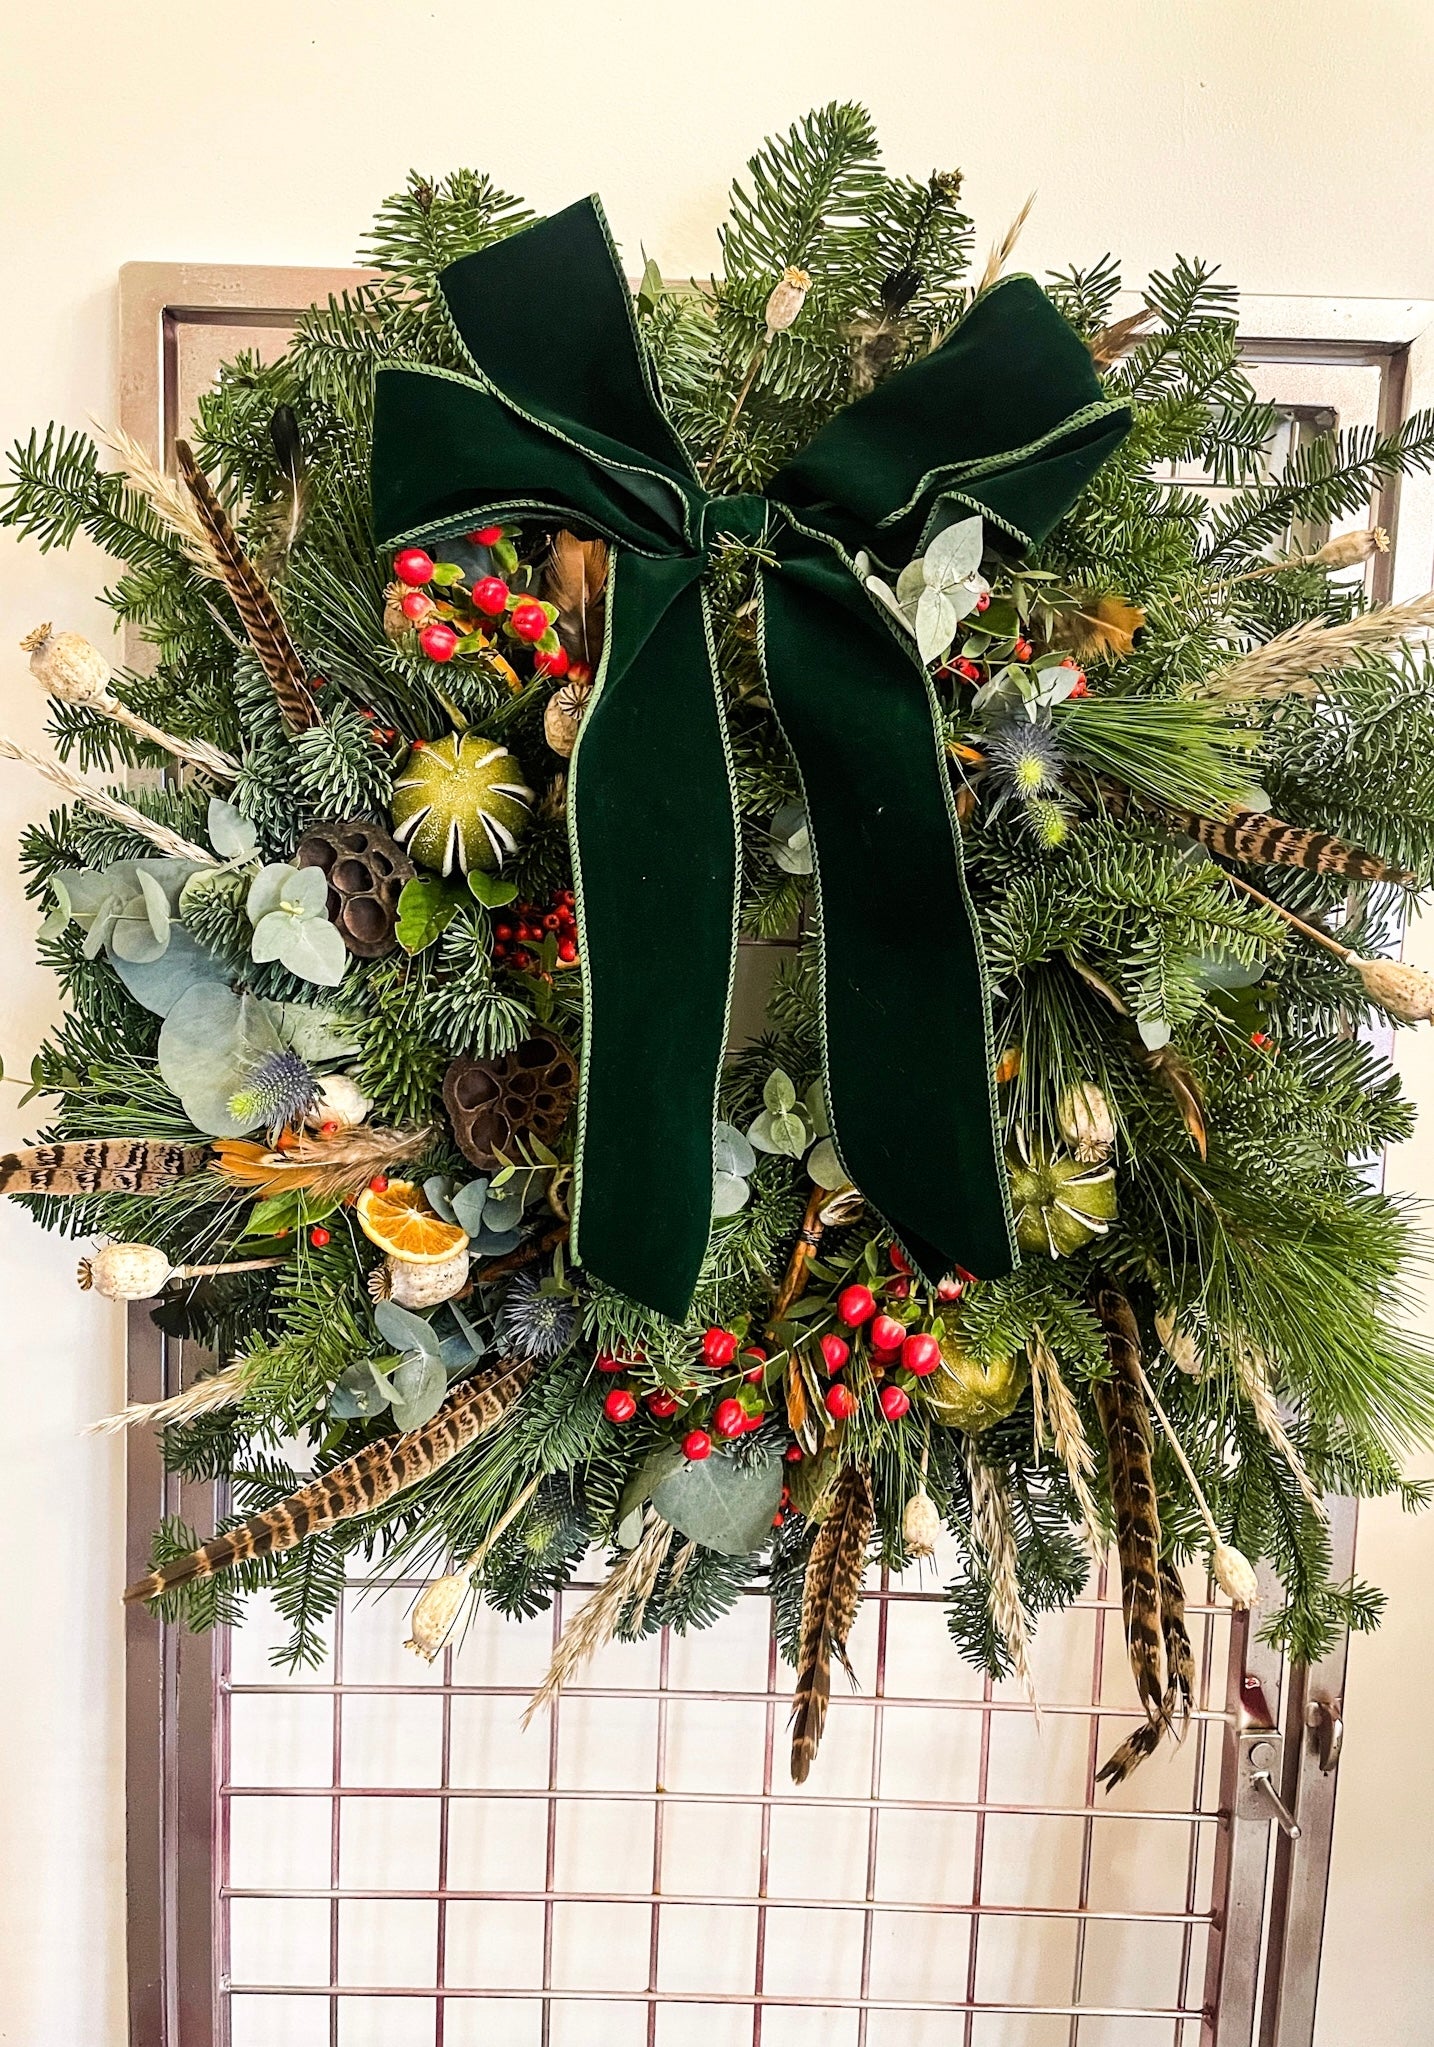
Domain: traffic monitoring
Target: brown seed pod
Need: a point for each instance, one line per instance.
(366, 870)
(527, 1092)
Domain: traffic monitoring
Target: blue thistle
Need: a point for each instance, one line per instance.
(280, 1090)
(1024, 759)
(535, 1324)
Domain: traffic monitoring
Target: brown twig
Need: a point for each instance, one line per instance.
(809, 1236)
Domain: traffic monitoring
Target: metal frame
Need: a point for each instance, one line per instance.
(1263, 1940)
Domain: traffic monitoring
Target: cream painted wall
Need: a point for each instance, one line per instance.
(1292, 141)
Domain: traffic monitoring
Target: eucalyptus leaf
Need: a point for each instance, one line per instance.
(208, 1047)
(731, 1152)
(404, 1330)
(503, 1212)
(936, 621)
(496, 1243)
(232, 835)
(468, 1204)
(266, 890)
(59, 916)
(314, 1032)
(825, 1167)
(778, 1094)
(438, 1192)
(420, 1387)
(954, 554)
(724, 1505)
(359, 1394)
(158, 984)
(1154, 1032)
(628, 1533)
(814, 1101)
(730, 1195)
(792, 840)
(659, 1464)
(310, 947)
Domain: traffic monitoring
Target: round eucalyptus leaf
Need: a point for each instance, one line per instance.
(438, 1191)
(724, 1505)
(469, 1203)
(158, 984)
(266, 890)
(825, 1167)
(232, 835)
(730, 1194)
(312, 948)
(731, 1152)
(406, 1331)
(207, 1049)
(420, 1387)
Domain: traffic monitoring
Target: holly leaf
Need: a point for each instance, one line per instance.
(724, 1505)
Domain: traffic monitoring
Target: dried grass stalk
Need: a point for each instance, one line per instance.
(1290, 663)
(1252, 1376)
(218, 1389)
(626, 1589)
(996, 1538)
(1054, 1404)
(105, 805)
(168, 496)
(1001, 251)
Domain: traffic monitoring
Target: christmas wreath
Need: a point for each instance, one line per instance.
(515, 643)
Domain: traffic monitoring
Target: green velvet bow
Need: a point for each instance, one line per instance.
(561, 422)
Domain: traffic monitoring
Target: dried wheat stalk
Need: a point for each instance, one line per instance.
(168, 496)
(1001, 251)
(629, 1585)
(996, 1539)
(1252, 1375)
(101, 801)
(1052, 1401)
(219, 1389)
(1288, 664)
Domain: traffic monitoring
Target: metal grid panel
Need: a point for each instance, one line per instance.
(397, 1862)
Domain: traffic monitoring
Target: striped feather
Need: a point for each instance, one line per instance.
(1174, 1711)
(99, 1165)
(363, 1482)
(258, 613)
(831, 1595)
(1126, 1422)
(1255, 838)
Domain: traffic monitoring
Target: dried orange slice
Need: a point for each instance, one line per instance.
(400, 1221)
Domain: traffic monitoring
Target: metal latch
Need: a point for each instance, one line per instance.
(1325, 1720)
(1258, 1799)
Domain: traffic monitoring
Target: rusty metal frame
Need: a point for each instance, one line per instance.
(1262, 1950)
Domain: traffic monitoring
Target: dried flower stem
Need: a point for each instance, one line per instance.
(628, 1585)
(1342, 952)
(105, 805)
(1202, 1505)
(1051, 1400)
(996, 1538)
(758, 353)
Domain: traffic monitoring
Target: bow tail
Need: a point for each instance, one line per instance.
(652, 818)
(906, 1015)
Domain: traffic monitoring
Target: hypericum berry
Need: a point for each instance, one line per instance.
(840, 1401)
(438, 641)
(1261, 1040)
(696, 1445)
(899, 1289)
(489, 595)
(379, 1183)
(887, 1333)
(567, 951)
(793, 1453)
(967, 670)
(1022, 650)
(1080, 689)
(412, 566)
(663, 1405)
(528, 619)
(835, 1352)
(983, 602)
(484, 536)
(328, 1128)
(855, 1305)
(554, 664)
(606, 1362)
(619, 1405)
(899, 1260)
(754, 1421)
(949, 1289)
(719, 1347)
(921, 1355)
(414, 605)
(893, 1402)
(318, 1236)
(730, 1418)
(778, 1518)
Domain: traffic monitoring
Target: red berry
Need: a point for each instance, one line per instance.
(318, 1236)
(949, 1290)
(696, 1445)
(755, 1421)
(754, 1350)
(719, 1347)
(835, 1352)
(439, 642)
(840, 1400)
(887, 1333)
(983, 602)
(328, 1128)
(503, 933)
(522, 959)
(899, 1289)
(1261, 1040)
(1022, 651)
(581, 671)
(755, 1376)
(967, 670)
(412, 566)
(528, 620)
(730, 1418)
(899, 1260)
(489, 595)
(414, 605)
(554, 664)
(855, 1305)
(778, 1518)
(551, 921)
(379, 1183)
(663, 1405)
(1080, 689)
(921, 1355)
(793, 1453)
(894, 1402)
(567, 951)
(485, 536)
(606, 1362)
(619, 1405)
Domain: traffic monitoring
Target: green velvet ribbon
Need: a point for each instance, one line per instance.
(560, 421)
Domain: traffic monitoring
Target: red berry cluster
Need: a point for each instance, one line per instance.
(889, 1345)
(461, 613)
(521, 928)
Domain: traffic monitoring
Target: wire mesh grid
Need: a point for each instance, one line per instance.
(399, 1862)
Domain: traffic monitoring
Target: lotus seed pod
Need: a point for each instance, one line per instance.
(920, 1524)
(340, 1100)
(1179, 1345)
(126, 1272)
(1086, 1122)
(437, 1609)
(787, 299)
(1405, 992)
(1235, 1575)
(67, 666)
(460, 804)
(1060, 1203)
(964, 1394)
(419, 1286)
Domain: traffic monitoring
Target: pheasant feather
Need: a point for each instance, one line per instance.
(99, 1165)
(1255, 837)
(1129, 1437)
(575, 578)
(363, 1482)
(258, 613)
(831, 1594)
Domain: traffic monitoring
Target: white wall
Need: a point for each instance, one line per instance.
(1291, 142)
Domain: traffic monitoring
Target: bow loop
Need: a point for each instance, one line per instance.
(561, 422)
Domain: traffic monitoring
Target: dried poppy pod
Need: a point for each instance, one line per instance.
(366, 870)
(526, 1093)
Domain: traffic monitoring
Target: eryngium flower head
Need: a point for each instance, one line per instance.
(280, 1090)
(1024, 759)
(534, 1324)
